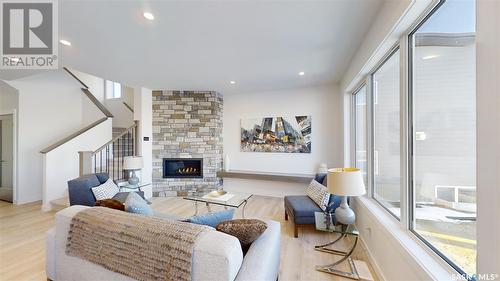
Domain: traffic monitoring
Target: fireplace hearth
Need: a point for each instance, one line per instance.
(175, 168)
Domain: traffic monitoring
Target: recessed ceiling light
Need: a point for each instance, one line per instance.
(232, 82)
(65, 42)
(302, 73)
(430, 57)
(148, 16)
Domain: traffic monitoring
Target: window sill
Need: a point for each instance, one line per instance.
(423, 257)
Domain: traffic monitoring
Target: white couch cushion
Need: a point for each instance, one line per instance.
(216, 256)
(50, 254)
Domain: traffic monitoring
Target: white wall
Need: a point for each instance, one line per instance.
(265, 188)
(488, 135)
(379, 36)
(143, 111)
(122, 116)
(392, 250)
(62, 164)
(9, 98)
(50, 108)
(322, 103)
(90, 112)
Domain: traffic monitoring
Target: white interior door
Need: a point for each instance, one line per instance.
(6, 157)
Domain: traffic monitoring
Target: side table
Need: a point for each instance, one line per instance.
(126, 187)
(323, 222)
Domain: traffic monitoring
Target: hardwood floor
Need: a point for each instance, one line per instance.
(22, 240)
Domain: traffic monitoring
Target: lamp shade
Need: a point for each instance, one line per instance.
(132, 163)
(345, 182)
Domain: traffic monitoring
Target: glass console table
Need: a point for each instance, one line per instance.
(324, 223)
(126, 187)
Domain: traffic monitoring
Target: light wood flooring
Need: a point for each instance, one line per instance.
(22, 240)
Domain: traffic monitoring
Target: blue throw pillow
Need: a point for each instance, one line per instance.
(335, 199)
(135, 204)
(321, 178)
(213, 219)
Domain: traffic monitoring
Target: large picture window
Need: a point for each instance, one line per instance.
(444, 139)
(435, 167)
(386, 116)
(361, 129)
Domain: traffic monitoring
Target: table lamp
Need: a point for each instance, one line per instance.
(345, 182)
(132, 163)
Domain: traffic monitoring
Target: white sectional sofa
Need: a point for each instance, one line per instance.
(216, 256)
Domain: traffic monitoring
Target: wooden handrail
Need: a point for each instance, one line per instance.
(87, 92)
(72, 136)
(74, 76)
(128, 106)
(115, 138)
(97, 103)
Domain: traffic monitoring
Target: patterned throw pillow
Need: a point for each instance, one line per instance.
(106, 190)
(246, 230)
(318, 193)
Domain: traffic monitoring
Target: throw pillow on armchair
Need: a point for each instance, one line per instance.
(106, 190)
(110, 203)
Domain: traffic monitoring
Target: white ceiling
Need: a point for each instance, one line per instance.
(202, 45)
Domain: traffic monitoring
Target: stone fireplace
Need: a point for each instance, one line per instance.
(187, 141)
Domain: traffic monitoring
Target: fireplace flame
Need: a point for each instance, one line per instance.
(189, 170)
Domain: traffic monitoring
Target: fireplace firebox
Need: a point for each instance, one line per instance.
(182, 168)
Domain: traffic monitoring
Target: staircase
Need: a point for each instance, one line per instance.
(126, 145)
(110, 157)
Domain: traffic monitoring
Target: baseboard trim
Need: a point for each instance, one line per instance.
(372, 261)
(46, 207)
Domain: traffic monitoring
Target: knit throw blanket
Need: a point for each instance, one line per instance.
(143, 248)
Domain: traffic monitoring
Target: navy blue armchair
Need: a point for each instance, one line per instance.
(80, 189)
(301, 208)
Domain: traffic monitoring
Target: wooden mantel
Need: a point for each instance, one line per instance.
(254, 175)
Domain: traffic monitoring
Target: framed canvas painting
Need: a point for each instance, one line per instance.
(291, 134)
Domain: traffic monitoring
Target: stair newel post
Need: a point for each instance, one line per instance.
(85, 158)
(136, 138)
